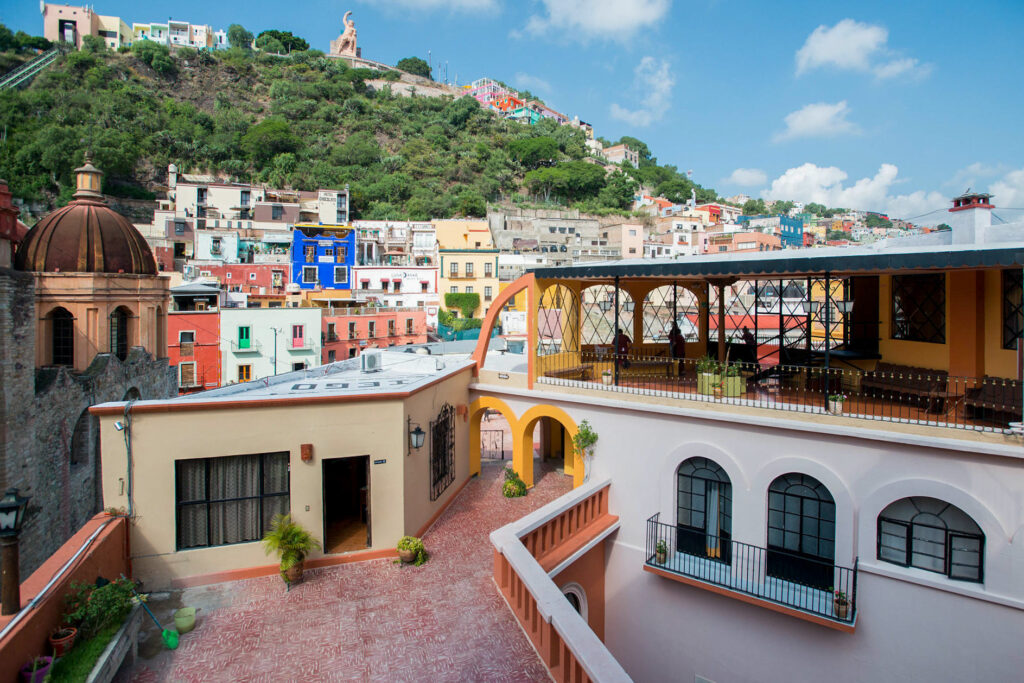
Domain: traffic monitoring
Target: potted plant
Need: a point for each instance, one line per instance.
(841, 604)
(36, 670)
(411, 551)
(292, 543)
(661, 552)
(733, 383)
(62, 639)
(716, 387)
(606, 376)
(513, 486)
(583, 446)
(835, 403)
(708, 374)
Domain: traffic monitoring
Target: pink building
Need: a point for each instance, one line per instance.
(249, 278)
(348, 332)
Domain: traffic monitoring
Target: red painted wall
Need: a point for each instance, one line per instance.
(342, 344)
(242, 275)
(206, 350)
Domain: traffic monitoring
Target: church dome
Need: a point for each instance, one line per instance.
(86, 236)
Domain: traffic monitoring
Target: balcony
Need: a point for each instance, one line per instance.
(783, 581)
(300, 344)
(893, 394)
(464, 276)
(248, 346)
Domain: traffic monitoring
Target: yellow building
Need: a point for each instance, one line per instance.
(468, 261)
(517, 302)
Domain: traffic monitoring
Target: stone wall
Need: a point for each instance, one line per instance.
(48, 442)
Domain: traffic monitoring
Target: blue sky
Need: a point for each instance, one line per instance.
(878, 105)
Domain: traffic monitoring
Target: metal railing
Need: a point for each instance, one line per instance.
(251, 346)
(301, 344)
(29, 70)
(889, 393)
(800, 582)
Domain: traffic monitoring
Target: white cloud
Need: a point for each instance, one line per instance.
(826, 185)
(452, 5)
(654, 81)
(969, 176)
(617, 20)
(820, 120)
(528, 82)
(1009, 191)
(746, 177)
(856, 46)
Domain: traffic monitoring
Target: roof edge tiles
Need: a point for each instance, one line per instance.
(791, 263)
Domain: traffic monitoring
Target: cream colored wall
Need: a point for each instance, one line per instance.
(463, 234)
(336, 430)
(422, 408)
(478, 282)
(915, 354)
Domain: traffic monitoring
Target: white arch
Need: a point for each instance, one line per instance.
(846, 510)
(669, 465)
(996, 533)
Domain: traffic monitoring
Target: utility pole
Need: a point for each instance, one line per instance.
(276, 330)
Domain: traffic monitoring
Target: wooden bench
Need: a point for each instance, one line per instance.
(995, 396)
(581, 372)
(905, 380)
(643, 368)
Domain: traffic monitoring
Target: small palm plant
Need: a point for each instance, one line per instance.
(292, 543)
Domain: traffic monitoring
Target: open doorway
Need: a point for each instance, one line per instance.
(346, 504)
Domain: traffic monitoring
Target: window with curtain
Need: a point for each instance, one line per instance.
(931, 534)
(221, 501)
(704, 509)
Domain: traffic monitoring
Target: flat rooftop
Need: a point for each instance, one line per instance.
(398, 372)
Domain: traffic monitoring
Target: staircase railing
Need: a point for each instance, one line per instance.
(27, 71)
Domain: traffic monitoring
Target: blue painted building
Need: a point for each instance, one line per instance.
(323, 256)
(791, 230)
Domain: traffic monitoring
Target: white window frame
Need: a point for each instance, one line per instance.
(344, 272)
(195, 383)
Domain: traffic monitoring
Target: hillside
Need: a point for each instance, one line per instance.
(302, 122)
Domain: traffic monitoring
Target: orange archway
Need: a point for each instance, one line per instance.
(522, 444)
(476, 411)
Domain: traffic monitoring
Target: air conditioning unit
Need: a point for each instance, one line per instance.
(371, 361)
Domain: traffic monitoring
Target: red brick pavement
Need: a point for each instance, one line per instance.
(373, 621)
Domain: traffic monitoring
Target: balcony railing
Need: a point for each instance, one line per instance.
(251, 346)
(802, 583)
(891, 393)
(300, 344)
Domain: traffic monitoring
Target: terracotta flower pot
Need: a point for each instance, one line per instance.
(294, 573)
(660, 556)
(62, 639)
(841, 609)
(407, 556)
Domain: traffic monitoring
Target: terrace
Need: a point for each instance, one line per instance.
(372, 620)
(923, 336)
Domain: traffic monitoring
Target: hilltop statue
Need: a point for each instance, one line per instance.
(345, 45)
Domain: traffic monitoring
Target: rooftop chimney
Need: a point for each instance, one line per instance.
(970, 217)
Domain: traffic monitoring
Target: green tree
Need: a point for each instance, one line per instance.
(781, 208)
(618, 191)
(815, 208)
(268, 138)
(471, 204)
(637, 146)
(415, 66)
(360, 149)
(754, 207)
(270, 44)
(239, 37)
(534, 152)
(269, 40)
(94, 44)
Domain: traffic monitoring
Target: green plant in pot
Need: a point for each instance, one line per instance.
(411, 551)
(513, 486)
(709, 373)
(661, 552)
(292, 543)
(583, 445)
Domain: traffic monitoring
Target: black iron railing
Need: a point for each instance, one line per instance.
(890, 392)
(797, 581)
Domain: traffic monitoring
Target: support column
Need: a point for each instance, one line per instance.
(522, 453)
(704, 323)
(721, 323)
(10, 600)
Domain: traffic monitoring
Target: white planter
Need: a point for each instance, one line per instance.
(607, 379)
(835, 407)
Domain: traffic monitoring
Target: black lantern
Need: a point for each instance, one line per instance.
(416, 436)
(12, 513)
(810, 307)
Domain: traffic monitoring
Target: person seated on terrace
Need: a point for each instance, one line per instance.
(622, 342)
(677, 345)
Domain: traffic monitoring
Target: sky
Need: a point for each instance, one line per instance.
(884, 106)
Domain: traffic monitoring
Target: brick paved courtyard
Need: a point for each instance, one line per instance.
(369, 621)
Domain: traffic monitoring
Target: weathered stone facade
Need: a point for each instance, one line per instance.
(48, 441)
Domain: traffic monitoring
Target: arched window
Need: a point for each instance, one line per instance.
(119, 332)
(133, 394)
(801, 530)
(933, 535)
(577, 597)
(703, 509)
(62, 337)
